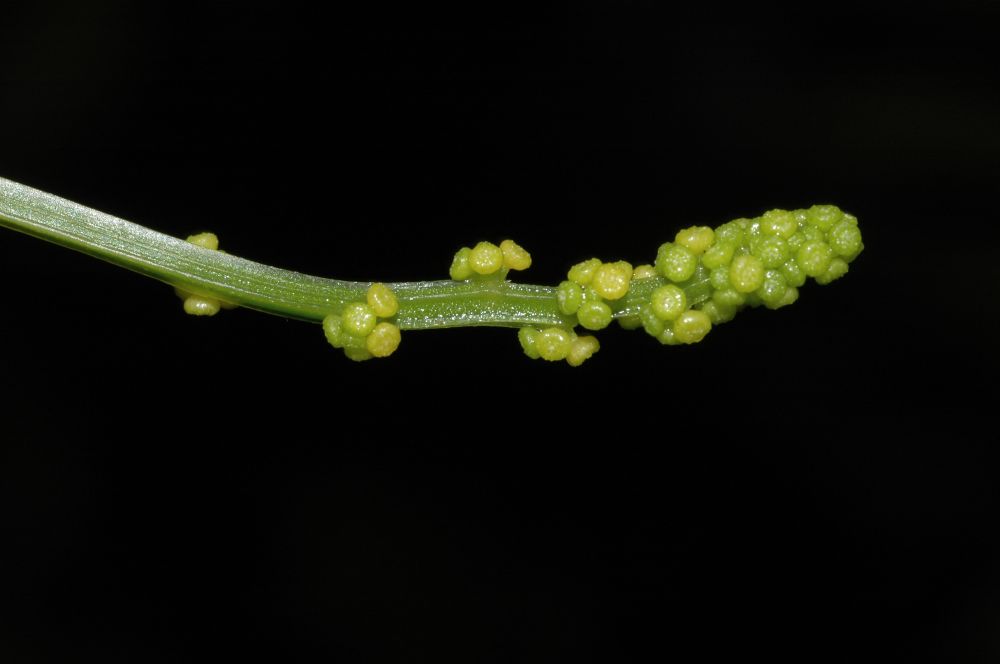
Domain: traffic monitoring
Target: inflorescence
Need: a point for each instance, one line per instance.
(358, 331)
(743, 263)
(701, 279)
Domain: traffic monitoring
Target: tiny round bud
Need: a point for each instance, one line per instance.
(383, 340)
(692, 326)
(514, 256)
(485, 258)
(594, 315)
(460, 270)
(382, 300)
(554, 343)
(197, 305)
(527, 337)
(667, 337)
(643, 272)
(583, 272)
(746, 273)
(718, 313)
(630, 323)
(570, 296)
(772, 291)
(793, 273)
(668, 302)
(718, 255)
(791, 295)
(824, 216)
(719, 278)
(581, 350)
(838, 267)
(652, 323)
(611, 280)
(814, 258)
(780, 223)
(205, 241)
(845, 240)
(357, 354)
(772, 251)
(697, 239)
(675, 262)
(729, 297)
(332, 328)
(358, 319)
(731, 233)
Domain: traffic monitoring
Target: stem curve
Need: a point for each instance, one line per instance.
(422, 304)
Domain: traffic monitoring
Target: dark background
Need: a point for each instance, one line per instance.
(813, 484)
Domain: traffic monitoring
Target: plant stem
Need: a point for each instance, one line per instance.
(422, 304)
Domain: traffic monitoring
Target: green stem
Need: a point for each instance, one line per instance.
(422, 304)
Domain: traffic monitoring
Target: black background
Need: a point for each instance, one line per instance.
(813, 484)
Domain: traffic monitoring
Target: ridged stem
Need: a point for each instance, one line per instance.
(422, 304)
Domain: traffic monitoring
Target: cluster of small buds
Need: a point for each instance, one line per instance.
(553, 343)
(556, 343)
(747, 262)
(591, 284)
(700, 279)
(487, 258)
(589, 288)
(357, 329)
(202, 305)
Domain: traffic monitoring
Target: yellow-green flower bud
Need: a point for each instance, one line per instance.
(570, 296)
(333, 329)
(460, 270)
(197, 305)
(697, 239)
(835, 270)
(383, 340)
(485, 258)
(611, 280)
(515, 257)
(358, 319)
(583, 273)
(554, 343)
(581, 350)
(675, 262)
(814, 258)
(746, 273)
(718, 255)
(778, 222)
(594, 315)
(643, 272)
(527, 336)
(692, 326)
(668, 302)
(382, 300)
(205, 240)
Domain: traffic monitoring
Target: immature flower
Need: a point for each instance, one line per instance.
(701, 279)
